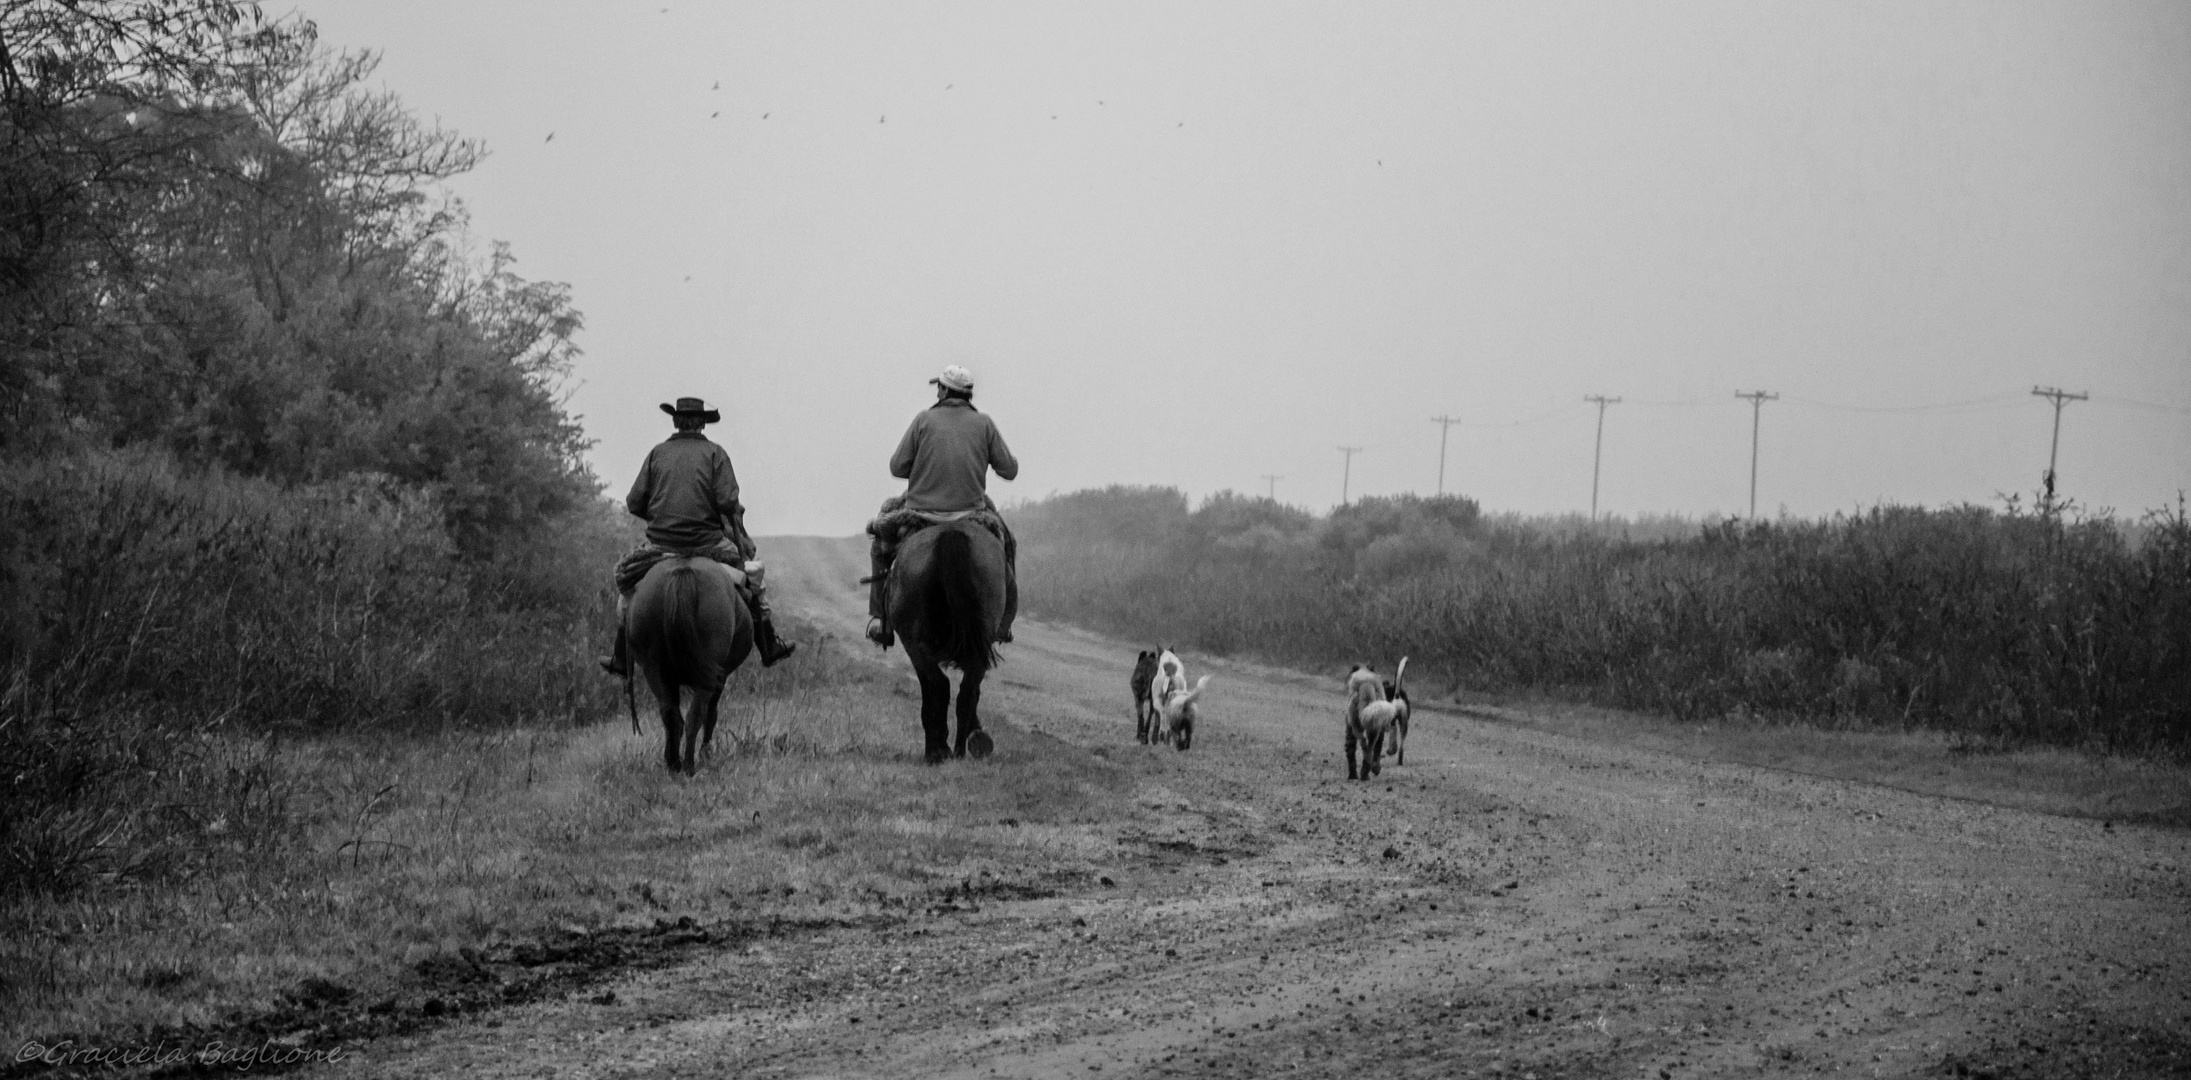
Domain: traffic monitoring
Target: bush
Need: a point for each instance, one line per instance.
(2005, 626)
(147, 605)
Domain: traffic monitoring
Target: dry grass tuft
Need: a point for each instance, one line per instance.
(368, 856)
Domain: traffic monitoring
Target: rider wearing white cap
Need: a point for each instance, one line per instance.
(945, 458)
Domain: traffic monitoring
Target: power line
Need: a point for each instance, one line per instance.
(1598, 454)
(1757, 399)
(1445, 425)
(2001, 398)
(1537, 419)
(1347, 477)
(2060, 398)
(2110, 399)
(1274, 478)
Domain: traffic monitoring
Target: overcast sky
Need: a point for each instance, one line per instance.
(1197, 243)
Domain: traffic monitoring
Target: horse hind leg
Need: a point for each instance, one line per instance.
(935, 710)
(673, 724)
(696, 717)
(706, 710)
(973, 741)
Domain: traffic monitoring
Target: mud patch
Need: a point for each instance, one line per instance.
(323, 1015)
(1173, 853)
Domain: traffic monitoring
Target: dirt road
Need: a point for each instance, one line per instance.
(1507, 903)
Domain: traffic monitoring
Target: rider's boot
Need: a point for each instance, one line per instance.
(878, 614)
(772, 648)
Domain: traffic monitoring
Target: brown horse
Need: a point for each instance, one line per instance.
(946, 595)
(688, 631)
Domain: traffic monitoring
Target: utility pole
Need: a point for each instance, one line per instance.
(1347, 477)
(1598, 454)
(1445, 424)
(1274, 479)
(1757, 399)
(2060, 398)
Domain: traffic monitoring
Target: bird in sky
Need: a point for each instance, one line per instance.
(1099, 103)
(719, 112)
(550, 138)
(718, 85)
(764, 116)
(884, 120)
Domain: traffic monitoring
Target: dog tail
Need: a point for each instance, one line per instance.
(1399, 678)
(1196, 692)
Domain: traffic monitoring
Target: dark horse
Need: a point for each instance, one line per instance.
(688, 631)
(946, 600)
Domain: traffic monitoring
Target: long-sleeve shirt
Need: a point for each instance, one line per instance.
(686, 492)
(946, 455)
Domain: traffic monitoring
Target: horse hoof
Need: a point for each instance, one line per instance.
(936, 755)
(978, 745)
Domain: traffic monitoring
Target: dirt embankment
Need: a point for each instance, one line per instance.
(1508, 902)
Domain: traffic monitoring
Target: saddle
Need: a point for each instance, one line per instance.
(633, 567)
(895, 522)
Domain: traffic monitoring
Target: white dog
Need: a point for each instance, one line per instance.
(1177, 713)
(1369, 718)
(1402, 710)
(1174, 700)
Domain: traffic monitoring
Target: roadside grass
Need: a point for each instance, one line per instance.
(389, 851)
(2042, 779)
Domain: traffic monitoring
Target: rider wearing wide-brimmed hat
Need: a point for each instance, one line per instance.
(945, 458)
(687, 494)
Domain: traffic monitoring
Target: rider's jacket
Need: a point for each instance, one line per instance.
(685, 492)
(946, 455)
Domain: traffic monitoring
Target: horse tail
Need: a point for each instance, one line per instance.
(681, 660)
(1399, 679)
(966, 634)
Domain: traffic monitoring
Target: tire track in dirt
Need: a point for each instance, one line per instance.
(1510, 902)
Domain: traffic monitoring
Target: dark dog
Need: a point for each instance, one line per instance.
(1144, 708)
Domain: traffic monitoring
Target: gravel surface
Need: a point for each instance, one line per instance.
(1509, 903)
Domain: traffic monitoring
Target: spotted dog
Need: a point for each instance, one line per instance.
(1144, 705)
(1369, 719)
(1402, 709)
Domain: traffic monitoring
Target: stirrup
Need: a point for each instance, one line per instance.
(878, 632)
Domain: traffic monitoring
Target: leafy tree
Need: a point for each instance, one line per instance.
(221, 242)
